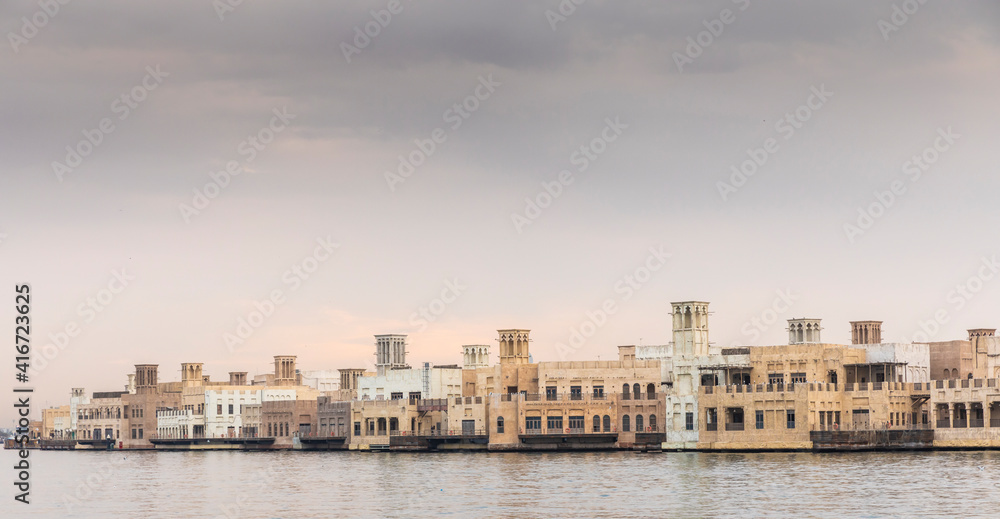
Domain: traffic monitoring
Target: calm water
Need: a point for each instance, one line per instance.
(616, 484)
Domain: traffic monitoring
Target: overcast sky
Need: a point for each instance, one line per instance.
(634, 114)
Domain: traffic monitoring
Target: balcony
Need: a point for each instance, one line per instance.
(734, 426)
(942, 424)
(712, 426)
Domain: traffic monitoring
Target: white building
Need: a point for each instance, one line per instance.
(321, 380)
(78, 398)
(175, 423)
(408, 383)
(224, 408)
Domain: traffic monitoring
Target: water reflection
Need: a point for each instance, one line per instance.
(615, 484)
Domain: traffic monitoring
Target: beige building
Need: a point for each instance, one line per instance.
(102, 418)
(798, 390)
(56, 423)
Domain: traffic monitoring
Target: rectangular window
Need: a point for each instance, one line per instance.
(790, 417)
(598, 391)
(140, 434)
(218, 409)
(414, 395)
(575, 392)
(396, 395)
(230, 408)
(760, 419)
(689, 421)
(133, 434)
(357, 428)
(550, 392)
(775, 378)
(576, 423)
(533, 423)
(798, 378)
(554, 424)
(711, 419)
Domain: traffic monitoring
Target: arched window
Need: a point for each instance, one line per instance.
(625, 391)
(499, 425)
(954, 373)
(597, 423)
(607, 423)
(626, 427)
(652, 422)
(650, 389)
(638, 423)
(635, 390)
(947, 374)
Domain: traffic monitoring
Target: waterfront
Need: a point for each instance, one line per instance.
(582, 484)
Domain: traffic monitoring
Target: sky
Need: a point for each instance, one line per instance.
(224, 182)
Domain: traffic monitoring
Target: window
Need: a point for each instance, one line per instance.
(760, 419)
(638, 423)
(597, 423)
(798, 378)
(652, 422)
(230, 408)
(626, 425)
(218, 409)
(554, 424)
(651, 390)
(533, 423)
(598, 391)
(575, 393)
(357, 428)
(625, 391)
(499, 425)
(607, 423)
(711, 419)
(689, 421)
(790, 416)
(396, 395)
(635, 390)
(140, 434)
(414, 395)
(576, 424)
(133, 434)
(550, 392)
(775, 378)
